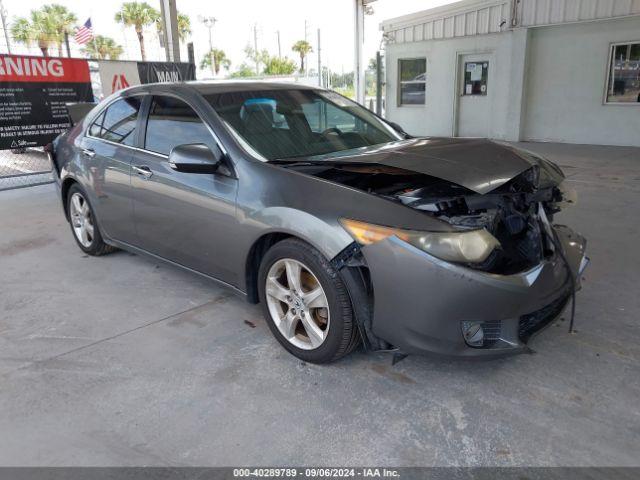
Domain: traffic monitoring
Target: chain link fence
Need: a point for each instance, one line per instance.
(24, 167)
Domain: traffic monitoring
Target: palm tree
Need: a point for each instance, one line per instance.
(138, 15)
(103, 48)
(62, 20)
(38, 28)
(303, 48)
(184, 28)
(219, 60)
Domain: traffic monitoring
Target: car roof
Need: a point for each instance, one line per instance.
(209, 87)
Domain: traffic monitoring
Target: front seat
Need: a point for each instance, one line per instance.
(260, 132)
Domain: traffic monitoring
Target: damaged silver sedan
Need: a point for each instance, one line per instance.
(347, 230)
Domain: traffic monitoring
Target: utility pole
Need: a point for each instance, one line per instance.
(191, 57)
(279, 50)
(378, 83)
(305, 30)
(255, 47)
(169, 14)
(3, 14)
(209, 22)
(361, 8)
(66, 44)
(319, 62)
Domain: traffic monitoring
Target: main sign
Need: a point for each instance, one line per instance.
(116, 75)
(34, 92)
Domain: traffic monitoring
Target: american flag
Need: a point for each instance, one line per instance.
(84, 34)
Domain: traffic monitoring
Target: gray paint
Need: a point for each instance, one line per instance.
(425, 314)
(477, 164)
(209, 223)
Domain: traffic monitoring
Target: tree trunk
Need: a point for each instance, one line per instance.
(60, 49)
(301, 62)
(141, 40)
(44, 48)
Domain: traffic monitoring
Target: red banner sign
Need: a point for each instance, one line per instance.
(19, 68)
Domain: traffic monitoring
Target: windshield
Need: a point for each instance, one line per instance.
(280, 124)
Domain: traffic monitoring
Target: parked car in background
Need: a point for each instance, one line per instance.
(346, 230)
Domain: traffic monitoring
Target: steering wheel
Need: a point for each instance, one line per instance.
(331, 130)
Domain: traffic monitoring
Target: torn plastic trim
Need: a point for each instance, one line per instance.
(351, 266)
(350, 256)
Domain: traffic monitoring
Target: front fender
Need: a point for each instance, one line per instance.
(328, 237)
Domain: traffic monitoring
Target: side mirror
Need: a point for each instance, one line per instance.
(195, 158)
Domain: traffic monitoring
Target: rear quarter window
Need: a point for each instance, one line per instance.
(118, 122)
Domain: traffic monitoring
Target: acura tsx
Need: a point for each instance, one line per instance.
(346, 229)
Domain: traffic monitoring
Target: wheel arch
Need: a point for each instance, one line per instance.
(257, 251)
(254, 258)
(67, 183)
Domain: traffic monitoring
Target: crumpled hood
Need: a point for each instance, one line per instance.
(477, 164)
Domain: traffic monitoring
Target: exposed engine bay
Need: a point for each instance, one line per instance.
(517, 213)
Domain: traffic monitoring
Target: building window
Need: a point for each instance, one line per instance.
(624, 74)
(476, 75)
(413, 81)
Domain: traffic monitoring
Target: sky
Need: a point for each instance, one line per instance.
(235, 22)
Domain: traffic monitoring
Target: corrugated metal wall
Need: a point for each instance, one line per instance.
(549, 12)
(493, 16)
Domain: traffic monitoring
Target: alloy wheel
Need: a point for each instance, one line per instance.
(81, 220)
(297, 303)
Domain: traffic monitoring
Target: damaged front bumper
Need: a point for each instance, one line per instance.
(425, 305)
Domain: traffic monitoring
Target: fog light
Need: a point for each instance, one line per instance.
(473, 333)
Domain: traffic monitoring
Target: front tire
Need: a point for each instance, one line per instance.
(305, 303)
(84, 224)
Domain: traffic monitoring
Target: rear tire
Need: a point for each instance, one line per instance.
(312, 318)
(84, 224)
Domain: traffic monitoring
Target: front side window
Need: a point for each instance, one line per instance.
(172, 122)
(413, 81)
(280, 124)
(624, 74)
(118, 123)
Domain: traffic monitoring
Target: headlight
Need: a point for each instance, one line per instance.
(472, 246)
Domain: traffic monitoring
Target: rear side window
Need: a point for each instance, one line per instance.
(118, 123)
(172, 122)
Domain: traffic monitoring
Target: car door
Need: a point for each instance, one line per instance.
(106, 151)
(188, 218)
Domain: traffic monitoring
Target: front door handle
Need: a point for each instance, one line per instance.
(143, 171)
(88, 152)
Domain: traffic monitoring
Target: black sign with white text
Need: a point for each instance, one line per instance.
(34, 92)
(152, 72)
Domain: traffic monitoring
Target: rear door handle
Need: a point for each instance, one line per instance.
(143, 171)
(88, 152)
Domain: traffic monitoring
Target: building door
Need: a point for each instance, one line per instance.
(474, 95)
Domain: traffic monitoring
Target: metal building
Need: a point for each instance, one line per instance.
(540, 70)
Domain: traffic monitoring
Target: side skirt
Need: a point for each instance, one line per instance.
(140, 251)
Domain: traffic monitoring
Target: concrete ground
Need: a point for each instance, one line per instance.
(121, 360)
